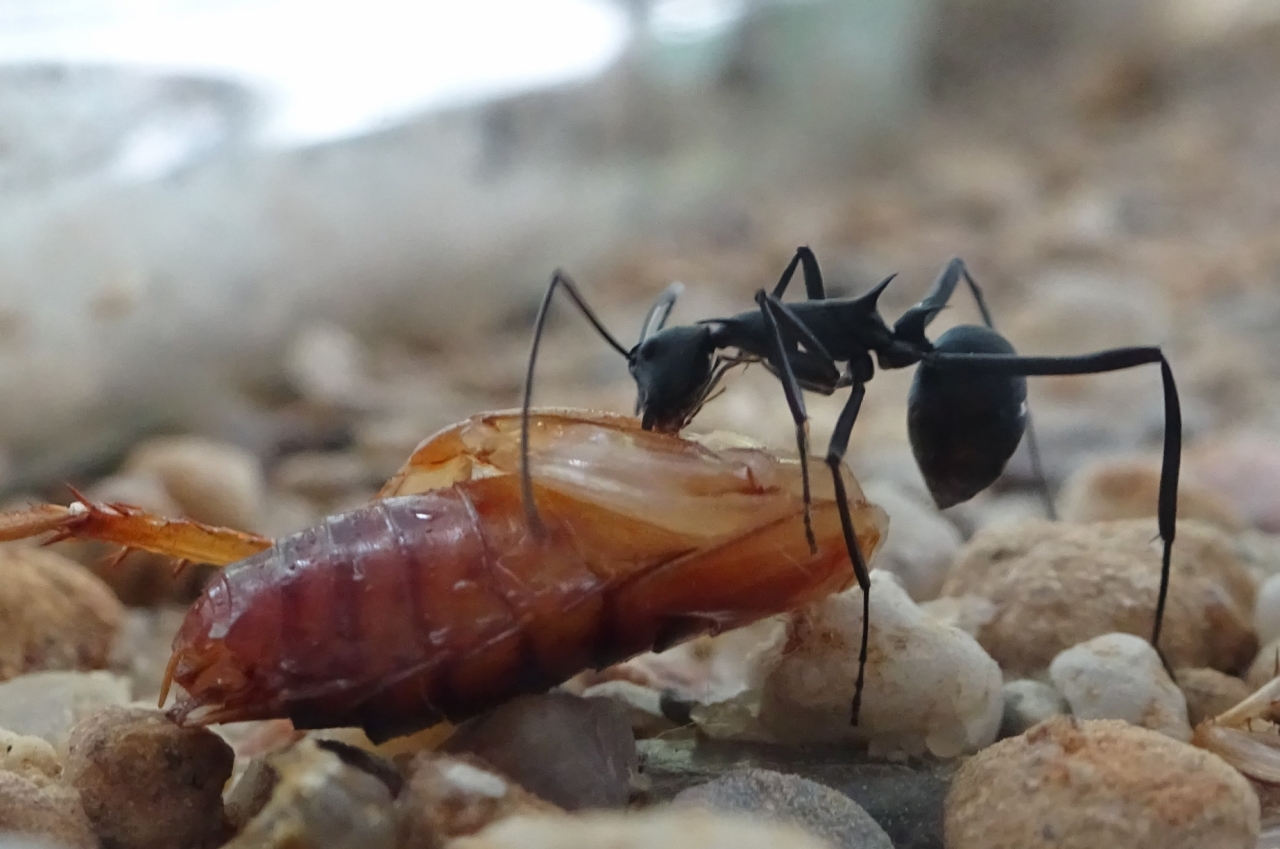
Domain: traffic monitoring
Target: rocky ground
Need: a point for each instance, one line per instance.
(1012, 699)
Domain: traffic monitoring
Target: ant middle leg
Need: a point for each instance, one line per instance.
(835, 458)
(775, 314)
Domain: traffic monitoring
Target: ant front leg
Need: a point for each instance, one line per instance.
(560, 280)
(835, 457)
(1115, 359)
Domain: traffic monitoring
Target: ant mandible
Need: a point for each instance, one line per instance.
(966, 412)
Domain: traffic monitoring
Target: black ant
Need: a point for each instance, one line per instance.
(966, 412)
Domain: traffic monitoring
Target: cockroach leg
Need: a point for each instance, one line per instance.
(131, 528)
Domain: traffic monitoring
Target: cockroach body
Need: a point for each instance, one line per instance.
(436, 601)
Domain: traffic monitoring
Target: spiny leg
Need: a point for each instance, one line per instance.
(1115, 359)
(558, 280)
(132, 528)
(928, 309)
(835, 457)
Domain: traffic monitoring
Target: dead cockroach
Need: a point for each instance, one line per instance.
(437, 601)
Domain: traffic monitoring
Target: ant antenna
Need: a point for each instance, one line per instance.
(559, 279)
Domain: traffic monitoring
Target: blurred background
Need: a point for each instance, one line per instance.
(252, 252)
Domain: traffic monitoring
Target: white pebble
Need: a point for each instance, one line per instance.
(1119, 676)
(921, 542)
(1266, 611)
(930, 687)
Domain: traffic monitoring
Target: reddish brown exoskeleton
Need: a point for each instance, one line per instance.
(435, 600)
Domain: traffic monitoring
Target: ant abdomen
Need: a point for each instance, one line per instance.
(964, 425)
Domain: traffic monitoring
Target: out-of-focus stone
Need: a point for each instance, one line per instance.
(1244, 469)
(448, 797)
(1128, 488)
(48, 704)
(144, 647)
(211, 481)
(676, 828)
(921, 542)
(1265, 666)
(1119, 676)
(1055, 585)
(816, 808)
(30, 757)
(323, 476)
(929, 688)
(319, 800)
(54, 614)
(327, 364)
(45, 810)
(1079, 784)
(573, 752)
(1266, 611)
(147, 783)
(1027, 703)
(906, 800)
(1209, 692)
(966, 612)
(643, 705)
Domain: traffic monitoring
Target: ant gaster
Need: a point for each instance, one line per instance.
(966, 411)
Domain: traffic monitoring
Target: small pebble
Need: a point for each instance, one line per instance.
(1082, 784)
(1265, 666)
(1266, 611)
(213, 482)
(1119, 676)
(323, 476)
(1209, 692)
(448, 797)
(816, 808)
(668, 828)
(1055, 585)
(920, 544)
(49, 704)
(1028, 703)
(929, 688)
(43, 809)
(56, 614)
(575, 753)
(1128, 488)
(30, 757)
(1244, 469)
(147, 783)
(327, 364)
(320, 800)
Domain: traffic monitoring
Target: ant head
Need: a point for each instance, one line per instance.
(674, 370)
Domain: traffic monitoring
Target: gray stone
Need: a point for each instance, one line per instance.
(906, 801)
(820, 810)
(1028, 703)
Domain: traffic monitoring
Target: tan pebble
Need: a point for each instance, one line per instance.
(662, 828)
(317, 799)
(1082, 784)
(1245, 469)
(1128, 488)
(44, 810)
(447, 797)
(1054, 585)
(147, 783)
(54, 614)
(49, 704)
(211, 481)
(1209, 692)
